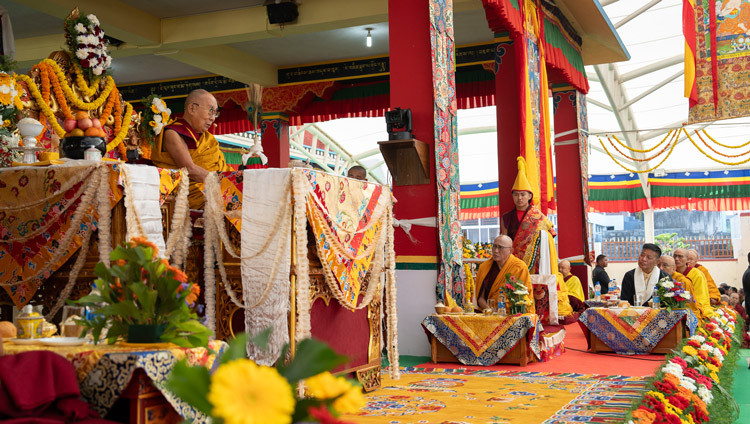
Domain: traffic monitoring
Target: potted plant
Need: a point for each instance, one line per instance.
(515, 292)
(143, 299)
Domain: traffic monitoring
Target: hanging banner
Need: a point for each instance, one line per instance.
(721, 78)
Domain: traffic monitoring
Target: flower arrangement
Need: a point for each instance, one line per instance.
(515, 293)
(141, 289)
(240, 391)
(87, 44)
(10, 104)
(155, 117)
(687, 388)
(672, 294)
(476, 250)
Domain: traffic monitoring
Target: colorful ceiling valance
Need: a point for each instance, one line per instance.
(562, 45)
(727, 190)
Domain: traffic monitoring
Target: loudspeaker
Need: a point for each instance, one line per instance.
(282, 13)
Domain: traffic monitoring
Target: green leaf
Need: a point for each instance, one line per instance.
(237, 349)
(261, 339)
(300, 409)
(312, 358)
(191, 384)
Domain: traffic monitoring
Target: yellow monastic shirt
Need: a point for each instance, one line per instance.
(515, 267)
(575, 288)
(713, 291)
(563, 304)
(700, 292)
(204, 150)
(692, 304)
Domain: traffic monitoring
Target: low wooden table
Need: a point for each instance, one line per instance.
(480, 340)
(669, 342)
(519, 355)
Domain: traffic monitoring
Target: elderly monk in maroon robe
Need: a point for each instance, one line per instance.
(492, 272)
(187, 143)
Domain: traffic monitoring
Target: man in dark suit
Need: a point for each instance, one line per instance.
(746, 281)
(641, 280)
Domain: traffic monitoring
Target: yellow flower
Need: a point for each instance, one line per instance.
(350, 402)
(242, 392)
(714, 376)
(154, 109)
(6, 123)
(690, 350)
(326, 386)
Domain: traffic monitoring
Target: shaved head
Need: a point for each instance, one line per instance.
(666, 264)
(681, 259)
(564, 267)
(692, 257)
(196, 96)
(502, 248)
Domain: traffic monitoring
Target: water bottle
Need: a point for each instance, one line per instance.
(597, 291)
(612, 286)
(501, 305)
(655, 298)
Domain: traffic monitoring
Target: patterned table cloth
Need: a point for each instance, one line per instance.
(104, 371)
(632, 331)
(484, 340)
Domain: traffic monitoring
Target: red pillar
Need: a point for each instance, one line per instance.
(411, 87)
(274, 128)
(509, 129)
(573, 234)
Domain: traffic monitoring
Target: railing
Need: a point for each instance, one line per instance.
(628, 249)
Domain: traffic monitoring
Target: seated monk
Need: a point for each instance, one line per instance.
(713, 291)
(667, 264)
(186, 143)
(700, 286)
(564, 310)
(573, 285)
(492, 274)
(532, 233)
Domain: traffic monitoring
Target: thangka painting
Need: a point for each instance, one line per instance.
(722, 74)
(583, 154)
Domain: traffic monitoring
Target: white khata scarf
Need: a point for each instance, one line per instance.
(645, 288)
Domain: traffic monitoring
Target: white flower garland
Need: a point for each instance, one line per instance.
(300, 188)
(133, 225)
(391, 304)
(104, 210)
(211, 187)
(73, 275)
(179, 235)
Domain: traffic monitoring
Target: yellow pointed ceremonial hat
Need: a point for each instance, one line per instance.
(522, 182)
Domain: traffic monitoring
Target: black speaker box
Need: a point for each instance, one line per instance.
(282, 13)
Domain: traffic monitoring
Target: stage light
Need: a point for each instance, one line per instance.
(368, 40)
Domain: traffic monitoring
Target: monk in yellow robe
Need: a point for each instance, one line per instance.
(713, 291)
(700, 286)
(492, 273)
(187, 143)
(563, 304)
(575, 288)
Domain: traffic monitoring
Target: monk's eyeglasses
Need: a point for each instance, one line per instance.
(498, 247)
(211, 110)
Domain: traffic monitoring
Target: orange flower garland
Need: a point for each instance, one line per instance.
(114, 97)
(44, 106)
(59, 95)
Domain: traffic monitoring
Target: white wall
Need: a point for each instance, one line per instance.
(415, 293)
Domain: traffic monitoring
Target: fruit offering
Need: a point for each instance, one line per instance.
(82, 126)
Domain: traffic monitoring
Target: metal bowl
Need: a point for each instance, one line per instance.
(74, 147)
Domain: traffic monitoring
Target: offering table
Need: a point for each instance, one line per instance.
(637, 330)
(473, 339)
(134, 372)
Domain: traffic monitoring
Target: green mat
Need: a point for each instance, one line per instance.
(406, 360)
(742, 386)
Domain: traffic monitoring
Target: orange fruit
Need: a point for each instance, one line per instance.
(92, 132)
(81, 114)
(77, 132)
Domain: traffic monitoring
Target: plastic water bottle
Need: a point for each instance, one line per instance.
(655, 298)
(598, 291)
(501, 305)
(612, 286)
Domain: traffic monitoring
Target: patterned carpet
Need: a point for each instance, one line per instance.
(454, 396)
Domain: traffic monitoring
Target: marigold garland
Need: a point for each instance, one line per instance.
(123, 131)
(86, 90)
(77, 102)
(724, 145)
(635, 170)
(643, 150)
(717, 152)
(114, 97)
(59, 95)
(648, 158)
(44, 106)
(711, 157)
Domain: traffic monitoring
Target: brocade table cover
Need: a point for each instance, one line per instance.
(104, 371)
(632, 331)
(481, 339)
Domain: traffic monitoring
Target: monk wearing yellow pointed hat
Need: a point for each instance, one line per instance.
(531, 231)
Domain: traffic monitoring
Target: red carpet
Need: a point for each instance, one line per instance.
(577, 359)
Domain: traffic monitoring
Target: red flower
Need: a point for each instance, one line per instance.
(85, 63)
(680, 361)
(323, 415)
(679, 402)
(694, 343)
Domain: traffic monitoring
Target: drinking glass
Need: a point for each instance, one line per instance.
(492, 304)
(71, 329)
